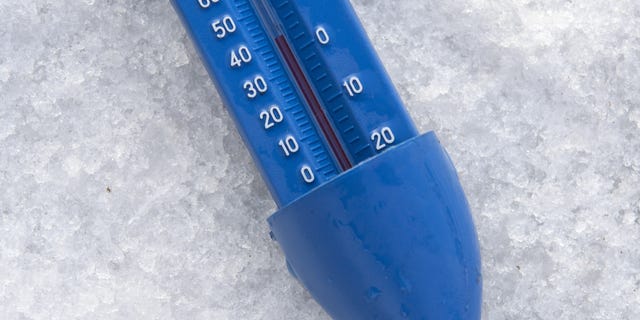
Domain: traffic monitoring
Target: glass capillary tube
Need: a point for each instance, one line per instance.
(275, 31)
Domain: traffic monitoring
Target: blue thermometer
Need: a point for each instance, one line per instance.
(372, 218)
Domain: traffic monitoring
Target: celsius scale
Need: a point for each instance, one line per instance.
(372, 218)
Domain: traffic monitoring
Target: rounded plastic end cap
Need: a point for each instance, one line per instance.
(390, 239)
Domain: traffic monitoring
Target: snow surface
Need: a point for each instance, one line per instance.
(125, 192)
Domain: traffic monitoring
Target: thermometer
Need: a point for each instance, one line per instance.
(372, 218)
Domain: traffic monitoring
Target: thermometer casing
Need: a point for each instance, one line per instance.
(389, 235)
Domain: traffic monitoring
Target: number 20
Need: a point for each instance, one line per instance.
(383, 138)
(271, 117)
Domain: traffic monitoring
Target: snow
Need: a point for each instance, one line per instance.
(126, 193)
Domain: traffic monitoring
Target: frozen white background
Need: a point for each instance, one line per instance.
(538, 103)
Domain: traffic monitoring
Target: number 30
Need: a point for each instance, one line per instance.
(255, 87)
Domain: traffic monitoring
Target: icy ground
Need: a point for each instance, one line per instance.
(125, 192)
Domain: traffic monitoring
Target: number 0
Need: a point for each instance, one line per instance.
(322, 35)
(307, 174)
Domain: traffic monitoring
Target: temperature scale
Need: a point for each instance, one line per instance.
(372, 218)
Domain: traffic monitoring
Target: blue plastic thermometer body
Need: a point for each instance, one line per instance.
(372, 218)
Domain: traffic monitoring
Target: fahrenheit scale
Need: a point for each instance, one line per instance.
(372, 218)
